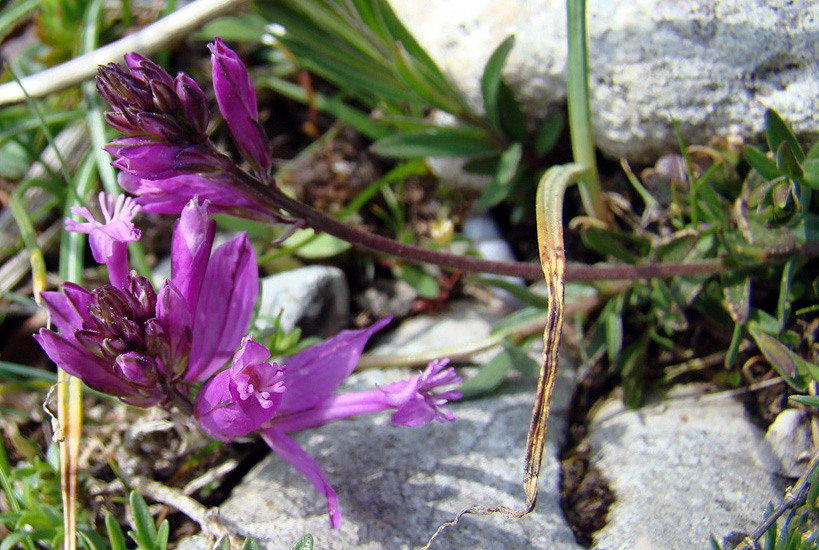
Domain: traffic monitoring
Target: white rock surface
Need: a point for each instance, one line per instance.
(315, 298)
(681, 471)
(396, 485)
(789, 440)
(711, 65)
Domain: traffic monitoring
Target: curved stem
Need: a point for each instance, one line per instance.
(272, 197)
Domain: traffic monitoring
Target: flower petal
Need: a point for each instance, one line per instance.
(76, 361)
(236, 98)
(190, 250)
(289, 450)
(174, 316)
(314, 374)
(225, 306)
(64, 313)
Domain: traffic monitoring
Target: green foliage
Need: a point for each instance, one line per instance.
(755, 217)
(364, 50)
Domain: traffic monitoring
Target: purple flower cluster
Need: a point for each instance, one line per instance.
(169, 347)
(183, 344)
(166, 156)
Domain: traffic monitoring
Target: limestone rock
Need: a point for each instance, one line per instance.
(396, 485)
(315, 298)
(790, 443)
(681, 471)
(713, 66)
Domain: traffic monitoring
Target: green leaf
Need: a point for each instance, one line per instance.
(778, 133)
(516, 319)
(115, 535)
(250, 27)
(810, 170)
(509, 162)
(420, 81)
(809, 400)
(733, 348)
(161, 539)
(787, 163)
(760, 162)
(222, 544)
(517, 290)
(612, 319)
(786, 363)
(144, 532)
(736, 290)
(316, 247)
(512, 119)
(521, 361)
(608, 243)
(631, 366)
(491, 80)
(488, 377)
(440, 142)
(251, 544)
(304, 543)
(425, 284)
(547, 135)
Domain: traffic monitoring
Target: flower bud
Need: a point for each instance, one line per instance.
(137, 368)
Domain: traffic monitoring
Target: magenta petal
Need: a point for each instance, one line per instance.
(221, 408)
(415, 412)
(228, 295)
(190, 250)
(174, 316)
(170, 195)
(236, 98)
(294, 455)
(64, 314)
(217, 409)
(314, 374)
(76, 361)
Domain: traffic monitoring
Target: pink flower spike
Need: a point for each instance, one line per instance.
(416, 403)
(107, 239)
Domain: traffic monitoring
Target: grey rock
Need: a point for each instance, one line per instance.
(713, 66)
(789, 443)
(464, 322)
(314, 298)
(681, 471)
(387, 297)
(396, 485)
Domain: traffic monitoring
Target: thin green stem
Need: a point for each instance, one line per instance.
(580, 125)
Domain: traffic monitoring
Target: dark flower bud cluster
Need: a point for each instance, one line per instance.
(148, 102)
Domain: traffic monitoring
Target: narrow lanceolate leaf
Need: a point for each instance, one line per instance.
(439, 142)
(778, 132)
(760, 162)
(491, 80)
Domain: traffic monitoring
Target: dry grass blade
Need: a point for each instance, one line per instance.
(551, 190)
(146, 41)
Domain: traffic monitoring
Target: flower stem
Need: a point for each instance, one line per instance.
(276, 201)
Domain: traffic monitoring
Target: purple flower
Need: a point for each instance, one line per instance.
(147, 102)
(170, 195)
(166, 156)
(236, 98)
(133, 342)
(238, 400)
(312, 377)
(107, 240)
(151, 160)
